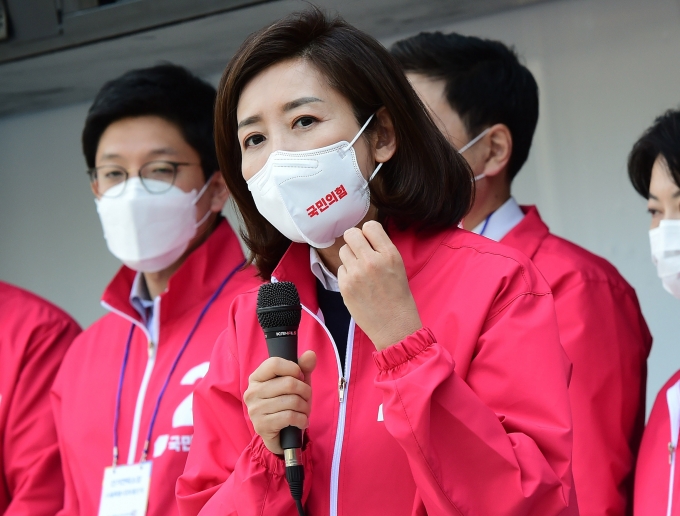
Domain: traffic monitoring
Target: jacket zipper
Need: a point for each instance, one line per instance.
(342, 383)
(343, 387)
(151, 360)
(340, 432)
(673, 401)
(671, 481)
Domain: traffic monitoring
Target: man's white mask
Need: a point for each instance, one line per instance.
(665, 244)
(149, 232)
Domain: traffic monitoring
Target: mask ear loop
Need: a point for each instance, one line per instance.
(342, 152)
(374, 172)
(202, 190)
(360, 132)
(363, 128)
(354, 141)
(474, 140)
(204, 218)
(198, 196)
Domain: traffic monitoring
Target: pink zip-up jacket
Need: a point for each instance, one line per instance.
(84, 393)
(657, 477)
(607, 340)
(34, 336)
(467, 416)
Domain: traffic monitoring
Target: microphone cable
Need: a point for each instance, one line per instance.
(301, 511)
(295, 476)
(279, 313)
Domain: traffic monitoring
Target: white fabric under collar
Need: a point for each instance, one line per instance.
(326, 277)
(141, 301)
(501, 221)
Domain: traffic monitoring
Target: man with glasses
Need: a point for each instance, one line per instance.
(486, 102)
(123, 397)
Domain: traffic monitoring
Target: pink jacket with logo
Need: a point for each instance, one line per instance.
(657, 477)
(34, 336)
(606, 338)
(84, 394)
(469, 415)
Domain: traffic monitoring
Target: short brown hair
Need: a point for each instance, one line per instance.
(426, 185)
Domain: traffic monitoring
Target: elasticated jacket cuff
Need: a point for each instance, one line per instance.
(272, 462)
(403, 351)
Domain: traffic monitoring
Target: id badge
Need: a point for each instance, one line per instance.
(125, 490)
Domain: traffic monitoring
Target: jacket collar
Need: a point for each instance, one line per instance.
(528, 235)
(416, 249)
(194, 282)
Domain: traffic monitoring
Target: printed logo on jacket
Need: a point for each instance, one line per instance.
(182, 417)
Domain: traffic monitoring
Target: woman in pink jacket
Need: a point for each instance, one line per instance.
(431, 379)
(654, 170)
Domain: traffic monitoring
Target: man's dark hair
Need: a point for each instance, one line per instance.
(167, 91)
(485, 84)
(661, 139)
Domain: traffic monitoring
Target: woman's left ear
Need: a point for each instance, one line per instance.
(220, 194)
(386, 138)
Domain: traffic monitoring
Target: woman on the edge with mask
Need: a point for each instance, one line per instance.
(431, 378)
(654, 170)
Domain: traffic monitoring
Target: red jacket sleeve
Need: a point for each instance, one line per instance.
(229, 469)
(32, 464)
(470, 451)
(607, 340)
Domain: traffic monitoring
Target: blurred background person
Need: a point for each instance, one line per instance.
(123, 396)
(34, 336)
(486, 103)
(654, 170)
(439, 385)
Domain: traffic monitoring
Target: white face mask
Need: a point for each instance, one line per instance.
(313, 196)
(470, 144)
(665, 244)
(149, 232)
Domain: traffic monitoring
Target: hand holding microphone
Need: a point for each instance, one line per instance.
(279, 394)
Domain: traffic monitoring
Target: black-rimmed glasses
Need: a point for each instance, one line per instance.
(157, 177)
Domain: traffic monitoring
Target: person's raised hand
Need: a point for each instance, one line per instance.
(279, 394)
(374, 286)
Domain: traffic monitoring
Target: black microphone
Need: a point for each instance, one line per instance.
(279, 313)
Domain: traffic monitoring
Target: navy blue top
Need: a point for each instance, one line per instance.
(336, 316)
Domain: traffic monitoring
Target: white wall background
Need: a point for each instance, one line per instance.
(605, 68)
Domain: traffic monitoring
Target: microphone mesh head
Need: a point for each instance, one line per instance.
(283, 294)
